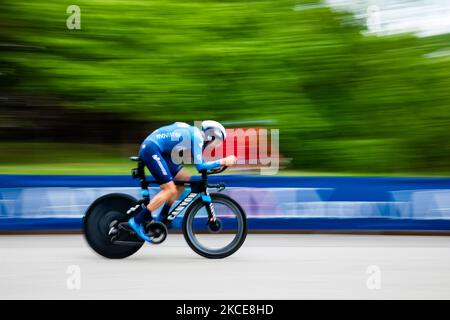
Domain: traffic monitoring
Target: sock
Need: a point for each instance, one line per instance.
(164, 212)
(143, 215)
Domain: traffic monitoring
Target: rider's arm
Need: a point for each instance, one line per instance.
(197, 151)
(208, 165)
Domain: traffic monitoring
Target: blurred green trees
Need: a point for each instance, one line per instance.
(343, 101)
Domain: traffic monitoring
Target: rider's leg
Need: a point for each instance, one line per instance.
(168, 193)
(182, 175)
(159, 169)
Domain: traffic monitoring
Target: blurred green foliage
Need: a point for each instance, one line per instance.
(343, 101)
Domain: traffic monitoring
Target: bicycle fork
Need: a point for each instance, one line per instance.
(206, 198)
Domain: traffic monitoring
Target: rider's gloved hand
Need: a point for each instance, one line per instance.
(228, 161)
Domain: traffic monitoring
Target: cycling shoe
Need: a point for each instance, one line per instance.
(139, 229)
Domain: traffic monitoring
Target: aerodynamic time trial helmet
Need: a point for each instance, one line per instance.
(213, 130)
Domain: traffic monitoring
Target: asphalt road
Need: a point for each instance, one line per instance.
(266, 267)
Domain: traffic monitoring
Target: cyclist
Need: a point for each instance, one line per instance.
(160, 152)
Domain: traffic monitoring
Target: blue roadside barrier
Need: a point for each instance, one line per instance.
(49, 202)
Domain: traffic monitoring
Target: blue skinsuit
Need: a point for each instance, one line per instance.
(160, 151)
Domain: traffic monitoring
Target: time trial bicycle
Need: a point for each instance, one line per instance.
(214, 225)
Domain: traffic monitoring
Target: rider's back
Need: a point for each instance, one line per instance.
(168, 137)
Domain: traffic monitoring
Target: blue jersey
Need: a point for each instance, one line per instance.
(180, 136)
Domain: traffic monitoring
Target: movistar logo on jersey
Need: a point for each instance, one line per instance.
(182, 205)
(166, 135)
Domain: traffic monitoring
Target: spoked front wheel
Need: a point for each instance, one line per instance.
(218, 239)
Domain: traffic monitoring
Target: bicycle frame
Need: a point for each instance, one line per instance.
(197, 188)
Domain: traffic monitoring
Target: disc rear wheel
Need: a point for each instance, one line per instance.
(99, 222)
